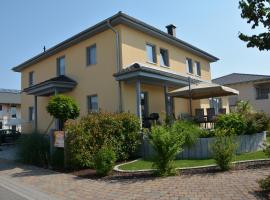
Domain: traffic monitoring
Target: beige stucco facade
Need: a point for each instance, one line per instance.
(247, 92)
(98, 79)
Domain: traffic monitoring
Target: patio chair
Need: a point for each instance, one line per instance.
(211, 116)
(222, 111)
(199, 116)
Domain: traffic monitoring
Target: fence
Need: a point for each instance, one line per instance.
(201, 149)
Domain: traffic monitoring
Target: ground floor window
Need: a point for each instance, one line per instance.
(31, 114)
(215, 103)
(1, 125)
(92, 103)
(13, 127)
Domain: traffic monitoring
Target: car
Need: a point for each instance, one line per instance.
(9, 135)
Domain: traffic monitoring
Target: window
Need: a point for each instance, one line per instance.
(1, 125)
(61, 66)
(91, 55)
(189, 66)
(164, 58)
(13, 127)
(13, 111)
(31, 115)
(31, 78)
(92, 103)
(151, 53)
(215, 103)
(1, 107)
(198, 68)
(262, 93)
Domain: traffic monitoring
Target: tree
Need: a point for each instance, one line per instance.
(257, 13)
(63, 108)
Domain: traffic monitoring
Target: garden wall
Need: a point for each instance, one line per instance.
(201, 149)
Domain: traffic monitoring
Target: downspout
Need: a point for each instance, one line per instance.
(118, 64)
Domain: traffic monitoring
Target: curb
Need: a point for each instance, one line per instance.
(199, 168)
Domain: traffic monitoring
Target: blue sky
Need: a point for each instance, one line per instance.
(209, 24)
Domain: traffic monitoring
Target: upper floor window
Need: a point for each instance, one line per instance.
(164, 57)
(1, 125)
(189, 65)
(1, 107)
(198, 68)
(61, 65)
(31, 114)
(91, 55)
(151, 53)
(262, 93)
(92, 102)
(31, 79)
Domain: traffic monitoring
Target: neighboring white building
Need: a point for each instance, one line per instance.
(10, 109)
(252, 87)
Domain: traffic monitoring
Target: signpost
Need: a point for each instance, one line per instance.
(59, 139)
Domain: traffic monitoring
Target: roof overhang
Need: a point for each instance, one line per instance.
(50, 87)
(119, 18)
(152, 75)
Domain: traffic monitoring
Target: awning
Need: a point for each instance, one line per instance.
(203, 90)
(58, 84)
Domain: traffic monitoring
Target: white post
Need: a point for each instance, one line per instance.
(36, 115)
(138, 100)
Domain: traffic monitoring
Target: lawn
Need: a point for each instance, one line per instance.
(147, 164)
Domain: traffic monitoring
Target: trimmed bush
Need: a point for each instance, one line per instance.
(232, 121)
(104, 161)
(91, 133)
(223, 149)
(166, 142)
(34, 149)
(63, 108)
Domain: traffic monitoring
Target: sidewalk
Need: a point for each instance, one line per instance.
(52, 185)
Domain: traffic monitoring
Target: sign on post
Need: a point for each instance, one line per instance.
(59, 139)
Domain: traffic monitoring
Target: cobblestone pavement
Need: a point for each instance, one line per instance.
(231, 185)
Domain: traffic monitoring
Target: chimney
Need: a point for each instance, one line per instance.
(171, 30)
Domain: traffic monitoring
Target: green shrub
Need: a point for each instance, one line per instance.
(244, 108)
(104, 161)
(265, 183)
(63, 107)
(232, 121)
(188, 130)
(205, 133)
(57, 159)
(223, 149)
(34, 149)
(90, 133)
(167, 143)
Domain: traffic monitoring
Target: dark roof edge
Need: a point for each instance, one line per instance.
(102, 26)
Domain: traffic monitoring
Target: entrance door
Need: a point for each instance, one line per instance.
(144, 104)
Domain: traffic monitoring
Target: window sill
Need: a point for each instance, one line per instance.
(164, 66)
(90, 65)
(149, 62)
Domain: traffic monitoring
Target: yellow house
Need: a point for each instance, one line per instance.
(119, 64)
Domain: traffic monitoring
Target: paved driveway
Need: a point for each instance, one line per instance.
(229, 185)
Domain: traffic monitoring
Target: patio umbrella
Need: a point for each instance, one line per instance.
(202, 90)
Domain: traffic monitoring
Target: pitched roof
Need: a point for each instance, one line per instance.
(2, 90)
(119, 18)
(10, 96)
(239, 78)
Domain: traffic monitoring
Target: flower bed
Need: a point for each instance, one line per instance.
(201, 149)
